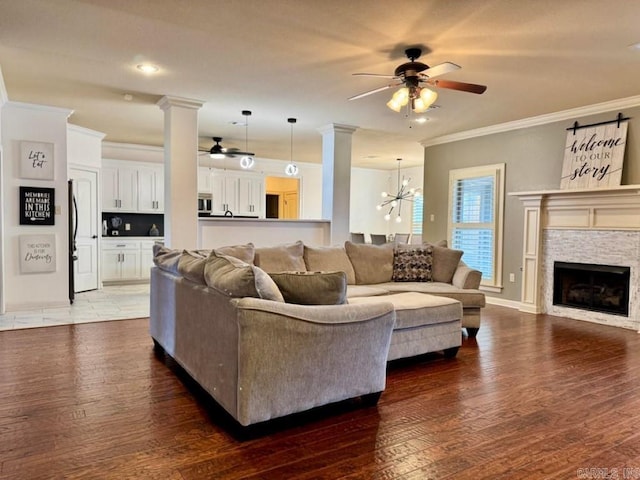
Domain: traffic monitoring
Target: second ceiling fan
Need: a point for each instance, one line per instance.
(217, 151)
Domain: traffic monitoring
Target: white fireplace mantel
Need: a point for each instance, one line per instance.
(615, 208)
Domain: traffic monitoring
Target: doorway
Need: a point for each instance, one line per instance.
(85, 191)
(282, 198)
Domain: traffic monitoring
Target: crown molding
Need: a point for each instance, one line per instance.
(86, 131)
(536, 121)
(40, 108)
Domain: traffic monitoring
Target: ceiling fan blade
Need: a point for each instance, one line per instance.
(464, 87)
(379, 75)
(440, 69)
(376, 90)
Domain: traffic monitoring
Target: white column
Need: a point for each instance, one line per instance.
(336, 178)
(180, 171)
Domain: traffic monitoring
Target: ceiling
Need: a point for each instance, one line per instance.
(295, 58)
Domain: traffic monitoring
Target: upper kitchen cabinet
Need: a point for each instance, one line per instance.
(251, 196)
(151, 189)
(119, 188)
(237, 193)
(132, 187)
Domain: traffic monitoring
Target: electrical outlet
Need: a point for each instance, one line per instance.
(127, 226)
(432, 217)
(512, 277)
(58, 210)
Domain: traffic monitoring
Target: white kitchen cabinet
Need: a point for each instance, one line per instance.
(224, 193)
(204, 180)
(237, 192)
(151, 189)
(120, 260)
(146, 258)
(251, 198)
(119, 188)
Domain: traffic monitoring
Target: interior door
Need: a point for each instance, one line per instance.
(85, 190)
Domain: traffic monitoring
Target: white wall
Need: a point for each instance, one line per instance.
(83, 149)
(43, 124)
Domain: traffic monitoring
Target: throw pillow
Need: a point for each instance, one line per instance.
(166, 258)
(312, 288)
(330, 259)
(412, 264)
(236, 278)
(445, 263)
(191, 266)
(281, 258)
(371, 263)
(246, 253)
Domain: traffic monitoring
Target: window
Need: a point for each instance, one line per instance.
(416, 215)
(476, 198)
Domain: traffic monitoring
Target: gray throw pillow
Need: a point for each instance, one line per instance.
(246, 253)
(413, 264)
(371, 263)
(281, 258)
(329, 259)
(191, 266)
(166, 258)
(445, 263)
(236, 278)
(312, 288)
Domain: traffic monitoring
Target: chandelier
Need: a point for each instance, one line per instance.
(405, 193)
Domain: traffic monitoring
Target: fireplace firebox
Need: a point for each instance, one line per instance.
(600, 288)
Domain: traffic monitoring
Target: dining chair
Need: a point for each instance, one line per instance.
(416, 239)
(402, 238)
(357, 237)
(378, 238)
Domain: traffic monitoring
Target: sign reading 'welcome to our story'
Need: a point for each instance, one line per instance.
(593, 156)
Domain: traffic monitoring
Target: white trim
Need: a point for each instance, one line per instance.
(133, 146)
(4, 96)
(538, 120)
(40, 108)
(86, 131)
(503, 302)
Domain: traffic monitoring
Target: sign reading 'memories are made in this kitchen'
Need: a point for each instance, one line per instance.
(37, 206)
(593, 156)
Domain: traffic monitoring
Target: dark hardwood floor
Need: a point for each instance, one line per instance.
(531, 397)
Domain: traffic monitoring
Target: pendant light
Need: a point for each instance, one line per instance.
(291, 169)
(246, 161)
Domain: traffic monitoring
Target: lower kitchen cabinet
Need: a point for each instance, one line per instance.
(126, 260)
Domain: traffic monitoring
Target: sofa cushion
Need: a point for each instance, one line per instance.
(354, 291)
(312, 288)
(236, 278)
(281, 258)
(467, 296)
(445, 262)
(371, 263)
(166, 258)
(191, 266)
(412, 264)
(246, 253)
(331, 259)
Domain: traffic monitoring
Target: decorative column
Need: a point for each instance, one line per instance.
(336, 178)
(180, 171)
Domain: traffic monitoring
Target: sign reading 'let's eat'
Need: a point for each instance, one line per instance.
(593, 156)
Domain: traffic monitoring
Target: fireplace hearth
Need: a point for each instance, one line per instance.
(600, 288)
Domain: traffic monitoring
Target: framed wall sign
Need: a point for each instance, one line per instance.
(36, 160)
(37, 253)
(37, 206)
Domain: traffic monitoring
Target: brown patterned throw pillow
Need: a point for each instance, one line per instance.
(412, 264)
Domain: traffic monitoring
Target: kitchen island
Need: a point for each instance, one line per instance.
(262, 232)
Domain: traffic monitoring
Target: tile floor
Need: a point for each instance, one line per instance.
(111, 303)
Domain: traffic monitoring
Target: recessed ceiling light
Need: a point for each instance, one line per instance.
(421, 120)
(148, 68)
(634, 46)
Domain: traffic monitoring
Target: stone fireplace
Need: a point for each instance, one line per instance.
(592, 227)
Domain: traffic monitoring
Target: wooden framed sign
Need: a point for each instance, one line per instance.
(593, 156)
(37, 253)
(36, 160)
(37, 206)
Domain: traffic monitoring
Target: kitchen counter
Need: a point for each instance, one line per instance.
(262, 232)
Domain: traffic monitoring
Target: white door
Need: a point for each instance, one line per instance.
(85, 191)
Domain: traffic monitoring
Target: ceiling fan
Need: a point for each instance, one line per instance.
(218, 151)
(413, 77)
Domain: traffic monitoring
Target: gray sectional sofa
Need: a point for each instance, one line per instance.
(272, 331)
